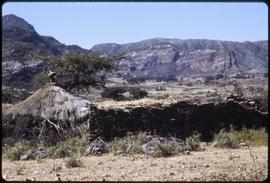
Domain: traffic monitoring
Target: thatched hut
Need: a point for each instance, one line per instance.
(49, 107)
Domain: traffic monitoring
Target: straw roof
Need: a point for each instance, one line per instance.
(54, 103)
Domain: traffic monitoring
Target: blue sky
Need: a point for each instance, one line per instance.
(87, 24)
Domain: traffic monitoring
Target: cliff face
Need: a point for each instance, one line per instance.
(165, 58)
(20, 44)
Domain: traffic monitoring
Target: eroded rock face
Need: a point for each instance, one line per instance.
(167, 58)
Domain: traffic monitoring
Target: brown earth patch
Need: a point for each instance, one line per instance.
(211, 164)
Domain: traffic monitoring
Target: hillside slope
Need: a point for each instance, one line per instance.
(20, 44)
(165, 58)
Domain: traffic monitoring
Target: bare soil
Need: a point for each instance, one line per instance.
(210, 164)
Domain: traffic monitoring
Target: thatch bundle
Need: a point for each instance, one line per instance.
(53, 103)
(50, 114)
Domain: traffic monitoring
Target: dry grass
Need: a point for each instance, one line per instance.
(253, 137)
(6, 106)
(109, 104)
(213, 164)
(73, 162)
(52, 102)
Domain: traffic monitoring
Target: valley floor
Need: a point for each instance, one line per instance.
(210, 164)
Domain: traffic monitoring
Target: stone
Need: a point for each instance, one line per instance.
(24, 157)
(40, 153)
(187, 152)
(95, 148)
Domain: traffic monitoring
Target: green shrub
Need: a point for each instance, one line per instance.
(72, 162)
(253, 137)
(69, 147)
(114, 93)
(193, 142)
(14, 153)
(164, 149)
(137, 93)
(133, 140)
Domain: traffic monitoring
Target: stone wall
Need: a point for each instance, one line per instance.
(179, 119)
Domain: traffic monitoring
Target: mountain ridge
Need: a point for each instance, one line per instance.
(155, 58)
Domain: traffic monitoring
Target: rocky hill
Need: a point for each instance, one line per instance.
(169, 58)
(148, 59)
(20, 44)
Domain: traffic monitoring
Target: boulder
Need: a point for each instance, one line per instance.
(95, 148)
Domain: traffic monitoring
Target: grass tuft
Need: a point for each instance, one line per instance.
(73, 162)
(253, 137)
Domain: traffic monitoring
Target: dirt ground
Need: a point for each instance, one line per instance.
(210, 164)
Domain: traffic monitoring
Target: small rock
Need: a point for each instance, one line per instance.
(40, 153)
(172, 173)
(24, 157)
(187, 152)
(207, 166)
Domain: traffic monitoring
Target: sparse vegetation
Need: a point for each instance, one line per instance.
(164, 149)
(14, 153)
(137, 93)
(12, 95)
(119, 145)
(73, 162)
(67, 148)
(194, 141)
(116, 93)
(231, 138)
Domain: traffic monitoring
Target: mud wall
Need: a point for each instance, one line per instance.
(179, 119)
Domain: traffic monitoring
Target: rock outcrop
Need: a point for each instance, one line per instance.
(169, 58)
